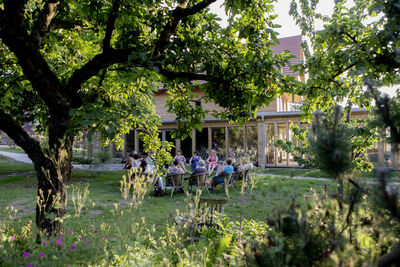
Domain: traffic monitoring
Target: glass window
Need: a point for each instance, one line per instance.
(293, 139)
(270, 148)
(252, 143)
(218, 142)
(202, 142)
(281, 154)
(236, 141)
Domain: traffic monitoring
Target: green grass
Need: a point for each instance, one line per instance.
(268, 193)
(317, 173)
(16, 149)
(8, 166)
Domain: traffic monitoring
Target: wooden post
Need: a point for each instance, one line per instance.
(136, 147)
(275, 150)
(177, 145)
(287, 139)
(261, 143)
(227, 141)
(245, 139)
(193, 140)
(124, 149)
(209, 139)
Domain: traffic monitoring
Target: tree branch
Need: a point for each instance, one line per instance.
(176, 16)
(20, 137)
(185, 75)
(107, 58)
(110, 24)
(14, 34)
(43, 21)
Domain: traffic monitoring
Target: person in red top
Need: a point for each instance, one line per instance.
(212, 162)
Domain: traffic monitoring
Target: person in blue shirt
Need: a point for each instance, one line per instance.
(218, 179)
(194, 160)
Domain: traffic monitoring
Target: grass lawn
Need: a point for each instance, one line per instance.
(16, 149)
(317, 173)
(268, 193)
(117, 235)
(8, 166)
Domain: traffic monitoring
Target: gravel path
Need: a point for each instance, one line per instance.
(77, 167)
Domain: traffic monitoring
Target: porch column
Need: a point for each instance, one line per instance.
(124, 149)
(287, 139)
(261, 143)
(245, 139)
(275, 150)
(193, 140)
(136, 146)
(177, 145)
(227, 141)
(209, 139)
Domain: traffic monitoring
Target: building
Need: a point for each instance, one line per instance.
(256, 138)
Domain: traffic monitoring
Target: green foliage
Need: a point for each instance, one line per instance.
(331, 145)
(300, 150)
(358, 43)
(103, 156)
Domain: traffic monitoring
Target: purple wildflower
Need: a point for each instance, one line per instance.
(82, 237)
(72, 247)
(60, 237)
(106, 237)
(26, 254)
(44, 243)
(41, 255)
(87, 242)
(29, 265)
(59, 242)
(13, 237)
(69, 232)
(95, 231)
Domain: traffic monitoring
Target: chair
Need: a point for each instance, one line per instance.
(200, 179)
(177, 182)
(229, 180)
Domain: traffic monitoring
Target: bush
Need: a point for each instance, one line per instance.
(103, 156)
(81, 160)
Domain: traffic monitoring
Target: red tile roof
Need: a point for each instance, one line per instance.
(293, 45)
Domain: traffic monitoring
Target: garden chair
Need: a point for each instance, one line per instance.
(229, 180)
(177, 182)
(200, 179)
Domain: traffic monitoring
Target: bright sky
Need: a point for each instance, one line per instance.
(289, 27)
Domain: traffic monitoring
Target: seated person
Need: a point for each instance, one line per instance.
(217, 179)
(174, 169)
(194, 160)
(181, 158)
(200, 169)
(245, 165)
(212, 162)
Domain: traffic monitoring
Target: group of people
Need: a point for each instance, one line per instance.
(144, 164)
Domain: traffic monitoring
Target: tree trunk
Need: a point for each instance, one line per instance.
(51, 201)
(53, 172)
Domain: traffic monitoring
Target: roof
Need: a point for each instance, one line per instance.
(293, 45)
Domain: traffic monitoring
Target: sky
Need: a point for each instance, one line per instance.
(288, 25)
